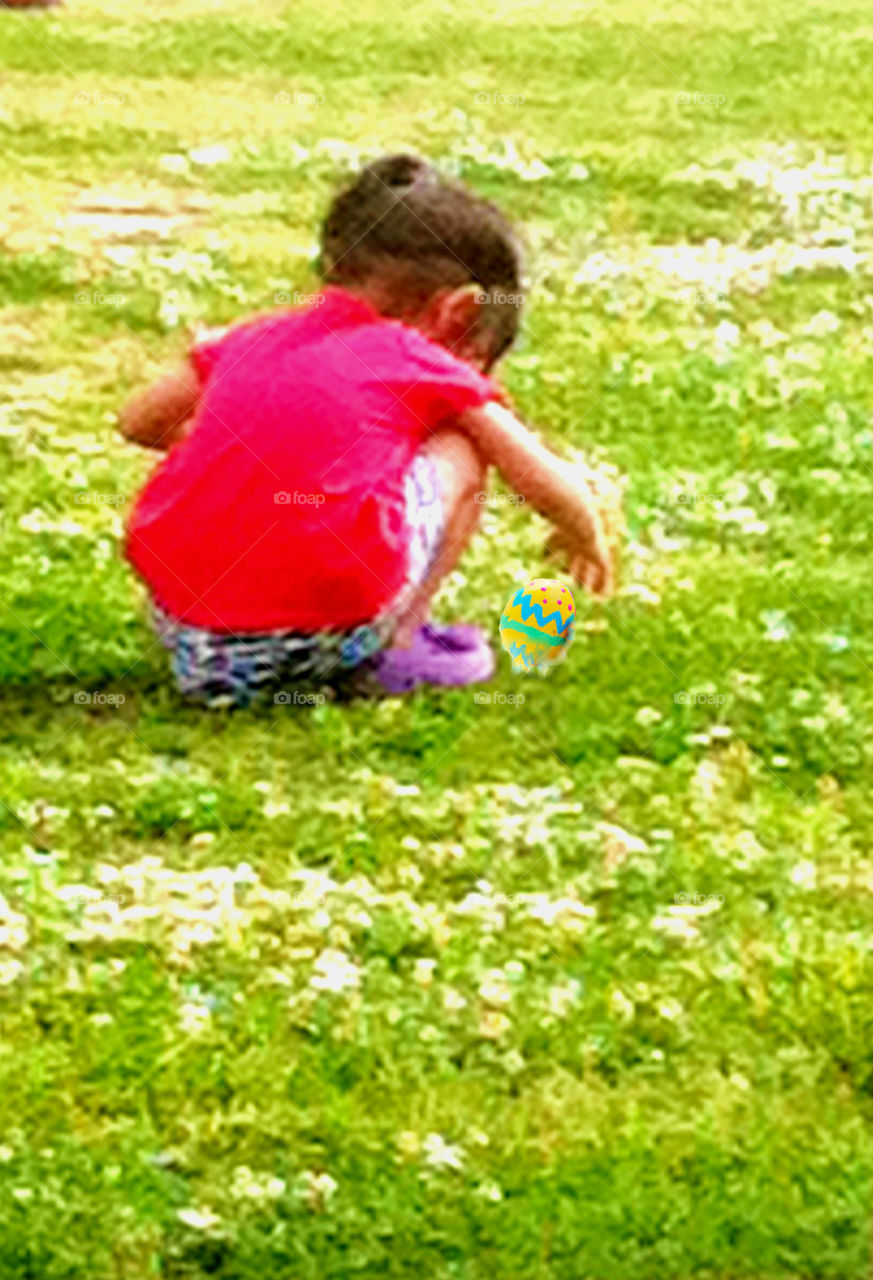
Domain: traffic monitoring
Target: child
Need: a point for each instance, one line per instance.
(326, 463)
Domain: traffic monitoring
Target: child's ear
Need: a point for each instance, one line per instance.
(453, 319)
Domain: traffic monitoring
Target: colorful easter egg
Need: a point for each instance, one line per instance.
(537, 625)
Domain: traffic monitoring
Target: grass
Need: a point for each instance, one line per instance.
(570, 988)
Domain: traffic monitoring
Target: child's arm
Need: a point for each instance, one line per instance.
(549, 484)
(161, 415)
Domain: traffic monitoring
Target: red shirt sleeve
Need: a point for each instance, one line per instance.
(225, 346)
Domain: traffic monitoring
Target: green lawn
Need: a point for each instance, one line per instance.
(574, 988)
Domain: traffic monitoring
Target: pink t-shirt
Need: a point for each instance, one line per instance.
(284, 507)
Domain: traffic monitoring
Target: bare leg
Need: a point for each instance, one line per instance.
(462, 476)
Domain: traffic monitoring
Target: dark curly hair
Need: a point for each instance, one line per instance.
(421, 232)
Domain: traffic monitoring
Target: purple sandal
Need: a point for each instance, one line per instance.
(448, 656)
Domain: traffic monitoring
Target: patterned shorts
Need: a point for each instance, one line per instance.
(226, 669)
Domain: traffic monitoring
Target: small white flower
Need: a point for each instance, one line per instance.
(492, 1025)
(453, 1001)
(562, 998)
(440, 1154)
(805, 875)
(676, 927)
(217, 154)
(194, 1018)
(621, 1007)
(174, 164)
(318, 1188)
(647, 716)
(9, 971)
(334, 971)
(423, 972)
(494, 988)
(198, 1219)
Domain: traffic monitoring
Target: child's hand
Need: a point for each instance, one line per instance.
(588, 559)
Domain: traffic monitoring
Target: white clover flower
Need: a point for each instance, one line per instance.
(453, 1001)
(318, 1188)
(440, 1154)
(423, 972)
(194, 1018)
(494, 987)
(562, 998)
(201, 1219)
(216, 154)
(493, 1025)
(805, 875)
(676, 927)
(334, 971)
(621, 1007)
